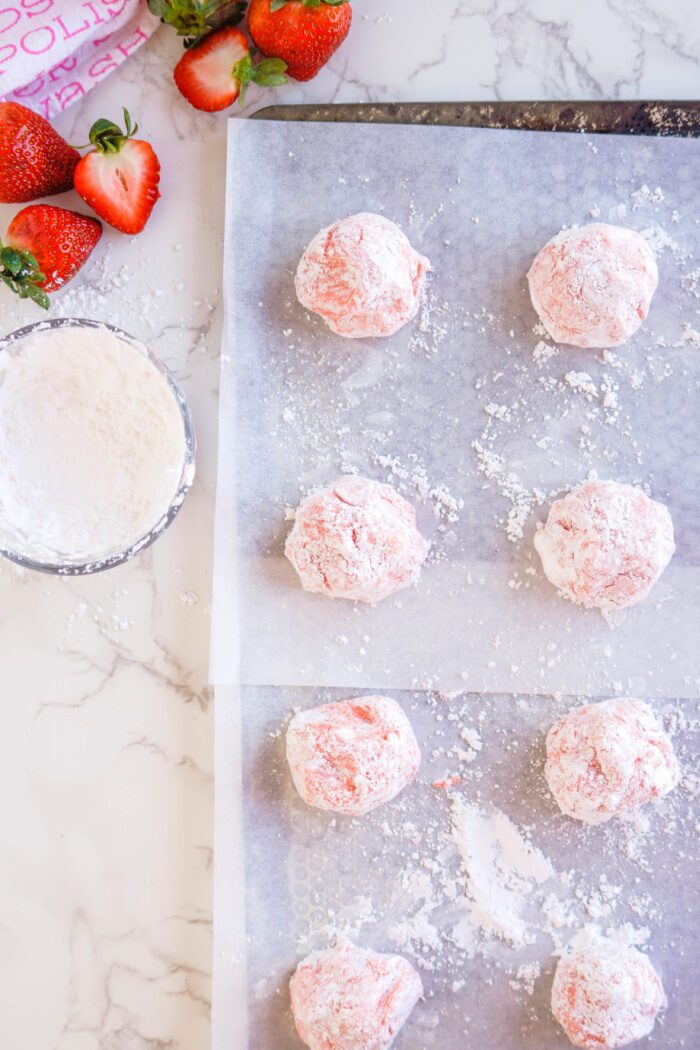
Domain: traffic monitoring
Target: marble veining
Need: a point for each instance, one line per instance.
(107, 770)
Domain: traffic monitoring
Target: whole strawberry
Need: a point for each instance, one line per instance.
(304, 33)
(46, 246)
(34, 160)
(119, 178)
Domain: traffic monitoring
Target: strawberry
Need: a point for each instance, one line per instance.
(34, 160)
(46, 246)
(119, 178)
(193, 19)
(304, 33)
(213, 73)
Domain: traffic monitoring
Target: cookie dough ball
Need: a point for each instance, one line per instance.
(362, 276)
(608, 758)
(606, 995)
(592, 286)
(348, 998)
(353, 755)
(357, 540)
(605, 545)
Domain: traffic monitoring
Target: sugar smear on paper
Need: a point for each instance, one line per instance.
(503, 869)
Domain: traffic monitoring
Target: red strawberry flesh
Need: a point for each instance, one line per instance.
(122, 187)
(205, 73)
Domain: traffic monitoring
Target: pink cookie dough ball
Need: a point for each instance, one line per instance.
(353, 755)
(592, 286)
(605, 544)
(362, 276)
(348, 998)
(606, 995)
(357, 540)
(608, 758)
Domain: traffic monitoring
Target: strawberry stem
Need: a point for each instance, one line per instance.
(268, 73)
(108, 137)
(20, 271)
(194, 19)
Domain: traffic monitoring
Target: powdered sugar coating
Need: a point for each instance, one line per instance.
(362, 276)
(353, 755)
(349, 998)
(606, 996)
(357, 540)
(593, 286)
(607, 758)
(605, 544)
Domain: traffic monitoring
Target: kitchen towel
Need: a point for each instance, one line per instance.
(53, 51)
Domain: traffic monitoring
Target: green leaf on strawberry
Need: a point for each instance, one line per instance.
(194, 19)
(268, 73)
(20, 271)
(108, 137)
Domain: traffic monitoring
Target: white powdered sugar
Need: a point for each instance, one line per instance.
(446, 506)
(582, 382)
(92, 444)
(521, 499)
(502, 868)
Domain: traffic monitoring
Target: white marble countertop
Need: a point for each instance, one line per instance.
(106, 771)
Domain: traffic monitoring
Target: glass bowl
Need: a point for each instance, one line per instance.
(82, 565)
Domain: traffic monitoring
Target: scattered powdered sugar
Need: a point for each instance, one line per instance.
(583, 383)
(445, 505)
(543, 351)
(522, 500)
(691, 335)
(503, 870)
(689, 283)
(432, 326)
(659, 240)
(644, 196)
(480, 864)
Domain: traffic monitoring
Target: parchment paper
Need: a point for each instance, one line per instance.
(300, 405)
(309, 873)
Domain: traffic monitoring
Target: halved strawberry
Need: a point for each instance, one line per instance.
(213, 73)
(46, 246)
(119, 178)
(34, 160)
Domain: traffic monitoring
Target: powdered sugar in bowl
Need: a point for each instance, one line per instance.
(97, 446)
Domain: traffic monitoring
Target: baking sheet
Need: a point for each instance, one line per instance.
(607, 116)
(388, 876)
(300, 405)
